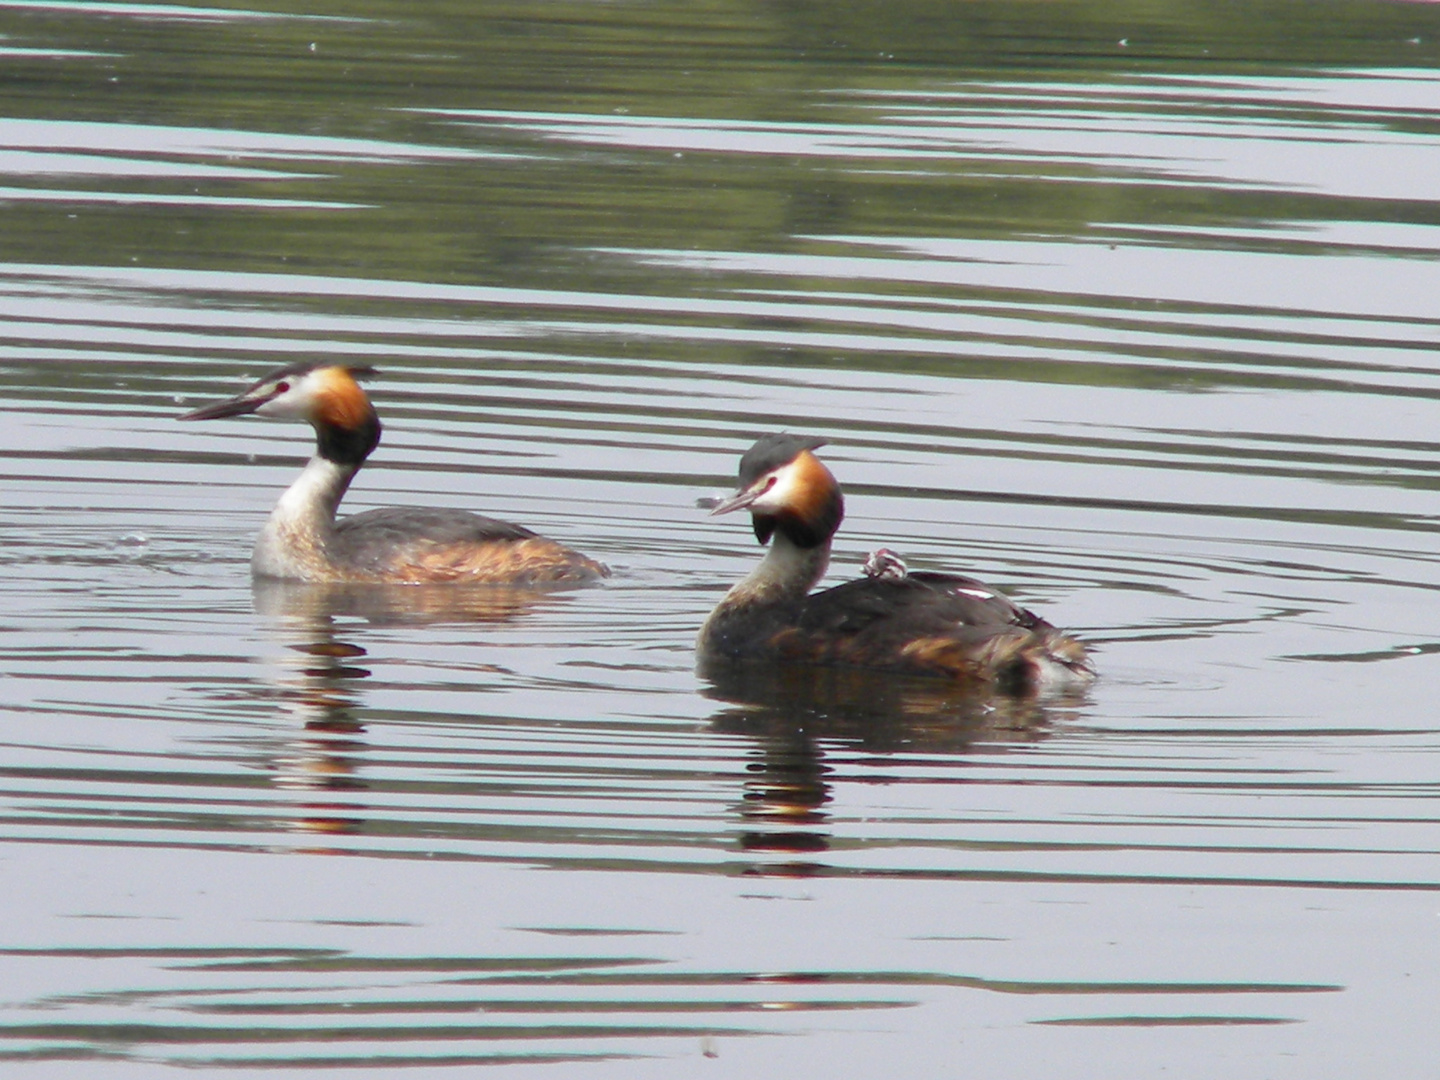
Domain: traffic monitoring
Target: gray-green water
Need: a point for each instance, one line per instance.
(1130, 309)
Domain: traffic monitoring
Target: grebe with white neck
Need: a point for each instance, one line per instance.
(893, 619)
(303, 540)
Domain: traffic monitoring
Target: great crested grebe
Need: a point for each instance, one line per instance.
(893, 619)
(302, 541)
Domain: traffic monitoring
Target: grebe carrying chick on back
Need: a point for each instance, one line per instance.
(303, 541)
(893, 619)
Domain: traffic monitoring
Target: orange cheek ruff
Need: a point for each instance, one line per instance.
(812, 503)
(340, 402)
(814, 486)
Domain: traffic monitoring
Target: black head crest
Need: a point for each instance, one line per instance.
(304, 367)
(770, 452)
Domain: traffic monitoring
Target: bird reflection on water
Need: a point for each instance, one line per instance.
(795, 712)
(320, 684)
(399, 605)
(322, 760)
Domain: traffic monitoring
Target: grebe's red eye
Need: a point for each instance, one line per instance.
(281, 387)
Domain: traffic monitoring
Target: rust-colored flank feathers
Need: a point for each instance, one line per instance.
(303, 541)
(532, 559)
(526, 560)
(894, 619)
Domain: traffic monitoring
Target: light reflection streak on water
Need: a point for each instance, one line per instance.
(165, 12)
(1077, 335)
(68, 147)
(46, 151)
(1335, 137)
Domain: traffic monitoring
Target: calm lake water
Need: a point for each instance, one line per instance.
(1128, 309)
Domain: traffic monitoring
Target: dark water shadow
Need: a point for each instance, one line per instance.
(794, 713)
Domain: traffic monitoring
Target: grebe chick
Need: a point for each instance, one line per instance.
(302, 541)
(884, 563)
(894, 619)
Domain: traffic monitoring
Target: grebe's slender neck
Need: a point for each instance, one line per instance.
(297, 536)
(765, 597)
(315, 495)
(787, 573)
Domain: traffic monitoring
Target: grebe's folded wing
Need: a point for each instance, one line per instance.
(974, 603)
(401, 544)
(922, 603)
(933, 624)
(396, 534)
(397, 524)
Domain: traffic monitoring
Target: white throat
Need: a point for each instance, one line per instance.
(295, 539)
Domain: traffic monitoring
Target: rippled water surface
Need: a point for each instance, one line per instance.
(1126, 311)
